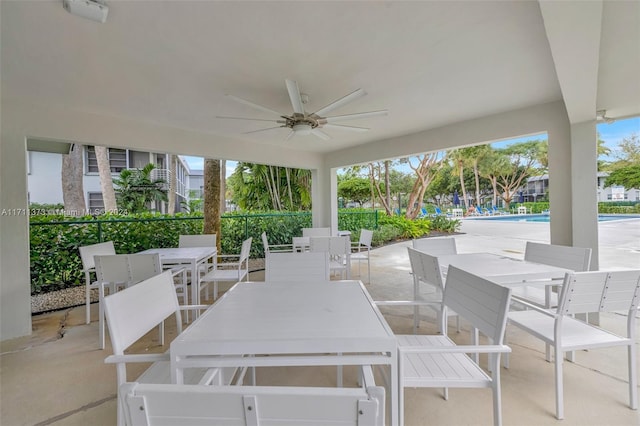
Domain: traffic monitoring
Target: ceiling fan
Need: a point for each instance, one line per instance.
(304, 123)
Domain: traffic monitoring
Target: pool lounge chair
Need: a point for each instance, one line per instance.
(498, 211)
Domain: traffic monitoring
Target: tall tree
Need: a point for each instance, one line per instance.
(106, 181)
(379, 172)
(212, 216)
(520, 164)
(460, 159)
(173, 184)
(425, 169)
(72, 187)
(223, 186)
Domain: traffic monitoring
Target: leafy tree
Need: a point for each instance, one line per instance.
(518, 163)
(262, 187)
(425, 169)
(136, 189)
(627, 176)
(193, 204)
(355, 188)
(628, 152)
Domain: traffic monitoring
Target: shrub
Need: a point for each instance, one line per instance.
(444, 224)
(385, 233)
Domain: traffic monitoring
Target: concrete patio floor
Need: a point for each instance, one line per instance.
(57, 375)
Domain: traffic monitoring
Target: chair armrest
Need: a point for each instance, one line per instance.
(193, 307)
(405, 303)
(534, 307)
(228, 256)
(488, 349)
(116, 359)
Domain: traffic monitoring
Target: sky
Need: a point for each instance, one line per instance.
(611, 134)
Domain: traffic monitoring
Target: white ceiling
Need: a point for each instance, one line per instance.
(429, 63)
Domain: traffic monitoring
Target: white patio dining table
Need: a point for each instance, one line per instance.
(191, 257)
(506, 271)
(289, 324)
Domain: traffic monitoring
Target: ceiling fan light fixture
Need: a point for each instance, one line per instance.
(302, 129)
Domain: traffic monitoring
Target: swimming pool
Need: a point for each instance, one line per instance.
(545, 217)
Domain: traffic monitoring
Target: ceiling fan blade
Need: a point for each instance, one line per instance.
(340, 102)
(319, 133)
(251, 119)
(290, 135)
(340, 126)
(294, 95)
(262, 130)
(356, 116)
(251, 104)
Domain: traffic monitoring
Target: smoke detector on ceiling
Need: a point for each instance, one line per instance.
(601, 115)
(89, 9)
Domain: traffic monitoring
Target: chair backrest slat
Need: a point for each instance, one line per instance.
(143, 266)
(600, 291)
(436, 246)
(425, 268)
(202, 240)
(133, 312)
(575, 258)
(87, 253)
(366, 236)
(299, 267)
(113, 268)
(483, 303)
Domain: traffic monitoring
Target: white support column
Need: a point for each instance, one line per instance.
(584, 186)
(15, 287)
(560, 199)
(324, 196)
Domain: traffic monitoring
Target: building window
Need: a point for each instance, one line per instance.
(117, 160)
(96, 204)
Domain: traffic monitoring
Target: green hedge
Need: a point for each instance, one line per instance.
(54, 240)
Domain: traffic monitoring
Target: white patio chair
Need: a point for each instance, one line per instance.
(339, 249)
(436, 361)
(361, 251)
(89, 266)
(436, 246)
(274, 247)
(201, 240)
(113, 273)
(129, 318)
(297, 267)
(144, 266)
(426, 269)
(229, 271)
(577, 259)
(316, 232)
(584, 292)
(149, 405)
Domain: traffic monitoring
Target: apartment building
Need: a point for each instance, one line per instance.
(45, 185)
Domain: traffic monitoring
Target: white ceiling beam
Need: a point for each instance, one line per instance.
(573, 30)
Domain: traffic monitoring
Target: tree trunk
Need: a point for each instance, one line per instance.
(465, 200)
(387, 186)
(106, 183)
(173, 184)
(212, 199)
(72, 185)
(223, 186)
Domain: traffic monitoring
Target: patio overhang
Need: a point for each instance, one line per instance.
(450, 73)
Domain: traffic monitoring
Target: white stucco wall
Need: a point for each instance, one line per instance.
(44, 179)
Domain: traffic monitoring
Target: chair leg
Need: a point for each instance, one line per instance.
(87, 279)
(494, 361)
(633, 377)
(559, 359)
(101, 316)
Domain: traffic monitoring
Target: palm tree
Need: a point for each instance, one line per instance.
(106, 181)
(136, 189)
(212, 216)
(72, 187)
